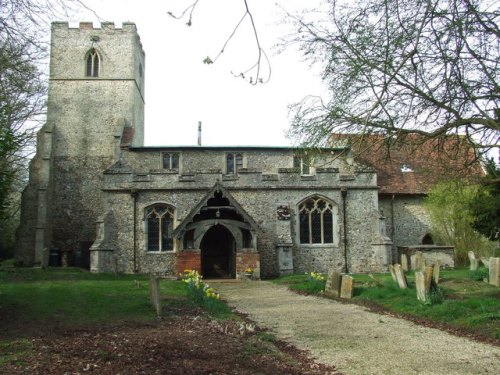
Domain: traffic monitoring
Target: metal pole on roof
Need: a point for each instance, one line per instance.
(199, 133)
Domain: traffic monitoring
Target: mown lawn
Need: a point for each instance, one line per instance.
(71, 297)
(462, 303)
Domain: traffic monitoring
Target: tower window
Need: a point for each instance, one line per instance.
(160, 220)
(316, 221)
(92, 63)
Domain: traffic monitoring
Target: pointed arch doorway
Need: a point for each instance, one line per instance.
(218, 250)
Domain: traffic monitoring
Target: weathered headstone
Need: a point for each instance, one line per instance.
(486, 262)
(400, 276)
(420, 261)
(474, 263)
(404, 262)
(332, 287)
(347, 287)
(422, 291)
(495, 271)
(393, 274)
(413, 261)
(435, 273)
(154, 293)
(429, 270)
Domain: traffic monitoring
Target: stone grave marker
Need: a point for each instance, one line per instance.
(495, 271)
(422, 291)
(404, 262)
(435, 272)
(154, 293)
(347, 287)
(413, 261)
(400, 276)
(429, 271)
(393, 274)
(474, 263)
(332, 287)
(420, 261)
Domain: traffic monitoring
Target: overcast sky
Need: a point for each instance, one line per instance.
(181, 90)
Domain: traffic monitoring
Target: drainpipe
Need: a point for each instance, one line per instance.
(344, 215)
(134, 193)
(393, 228)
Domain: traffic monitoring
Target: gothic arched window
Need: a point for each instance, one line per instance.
(93, 63)
(316, 221)
(160, 223)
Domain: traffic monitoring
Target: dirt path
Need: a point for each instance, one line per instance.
(355, 340)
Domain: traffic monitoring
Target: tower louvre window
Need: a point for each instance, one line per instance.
(93, 63)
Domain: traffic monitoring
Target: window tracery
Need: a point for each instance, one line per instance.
(316, 221)
(160, 220)
(93, 63)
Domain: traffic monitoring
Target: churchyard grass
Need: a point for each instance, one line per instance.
(466, 303)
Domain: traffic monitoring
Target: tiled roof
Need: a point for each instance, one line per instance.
(414, 166)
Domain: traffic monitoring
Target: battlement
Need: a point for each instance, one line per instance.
(89, 26)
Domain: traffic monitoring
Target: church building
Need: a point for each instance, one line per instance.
(99, 197)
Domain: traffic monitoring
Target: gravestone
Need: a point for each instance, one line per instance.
(429, 271)
(332, 287)
(420, 261)
(435, 272)
(404, 262)
(413, 261)
(474, 263)
(347, 287)
(393, 274)
(422, 291)
(400, 276)
(495, 271)
(154, 293)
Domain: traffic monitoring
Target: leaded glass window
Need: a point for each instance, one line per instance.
(160, 220)
(316, 221)
(170, 160)
(234, 162)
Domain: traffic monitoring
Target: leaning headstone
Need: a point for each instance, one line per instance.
(400, 276)
(474, 263)
(429, 270)
(420, 261)
(332, 287)
(413, 261)
(154, 293)
(435, 272)
(495, 271)
(486, 262)
(393, 274)
(422, 291)
(404, 262)
(347, 287)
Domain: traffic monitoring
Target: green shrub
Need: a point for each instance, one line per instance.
(479, 275)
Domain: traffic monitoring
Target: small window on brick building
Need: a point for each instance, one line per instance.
(93, 63)
(234, 162)
(170, 160)
(159, 227)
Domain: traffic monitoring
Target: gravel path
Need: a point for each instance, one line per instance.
(356, 340)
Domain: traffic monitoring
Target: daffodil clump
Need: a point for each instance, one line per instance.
(201, 293)
(316, 282)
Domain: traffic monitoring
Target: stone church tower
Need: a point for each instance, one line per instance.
(95, 100)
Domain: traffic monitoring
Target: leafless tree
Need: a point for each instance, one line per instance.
(254, 73)
(403, 67)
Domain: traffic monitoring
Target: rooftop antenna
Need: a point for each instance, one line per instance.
(199, 133)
